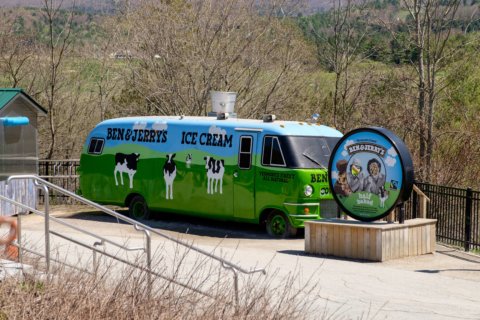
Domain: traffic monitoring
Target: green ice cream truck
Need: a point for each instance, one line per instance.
(259, 171)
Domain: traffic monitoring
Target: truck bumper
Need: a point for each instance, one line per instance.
(298, 213)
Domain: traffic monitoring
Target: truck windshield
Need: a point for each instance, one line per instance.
(308, 152)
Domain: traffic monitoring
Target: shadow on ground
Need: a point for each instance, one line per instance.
(446, 270)
(187, 224)
(302, 253)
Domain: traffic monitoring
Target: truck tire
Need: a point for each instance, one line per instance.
(138, 209)
(278, 226)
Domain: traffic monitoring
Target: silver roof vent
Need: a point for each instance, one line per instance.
(223, 115)
(223, 102)
(269, 118)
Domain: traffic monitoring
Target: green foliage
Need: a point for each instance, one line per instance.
(19, 25)
(378, 45)
(462, 101)
(32, 22)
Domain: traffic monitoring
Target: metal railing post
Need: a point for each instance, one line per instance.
(95, 261)
(468, 219)
(401, 213)
(235, 286)
(149, 262)
(148, 251)
(47, 222)
(19, 238)
(414, 205)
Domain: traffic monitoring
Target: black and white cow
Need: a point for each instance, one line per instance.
(126, 163)
(382, 195)
(169, 174)
(188, 160)
(215, 171)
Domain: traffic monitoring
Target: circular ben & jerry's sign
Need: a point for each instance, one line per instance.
(370, 172)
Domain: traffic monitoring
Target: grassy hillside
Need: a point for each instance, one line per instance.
(31, 23)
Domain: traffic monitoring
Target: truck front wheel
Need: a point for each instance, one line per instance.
(278, 225)
(138, 208)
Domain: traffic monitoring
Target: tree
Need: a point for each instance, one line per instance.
(432, 23)
(17, 55)
(59, 42)
(105, 77)
(339, 48)
(180, 51)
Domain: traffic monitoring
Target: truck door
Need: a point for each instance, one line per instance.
(244, 177)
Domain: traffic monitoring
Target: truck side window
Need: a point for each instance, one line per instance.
(272, 152)
(245, 152)
(96, 146)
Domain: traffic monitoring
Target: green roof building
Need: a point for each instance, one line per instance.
(18, 147)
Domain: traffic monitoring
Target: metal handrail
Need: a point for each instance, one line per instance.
(95, 250)
(147, 269)
(61, 160)
(59, 221)
(135, 223)
(20, 248)
(61, 176)
(44, 185)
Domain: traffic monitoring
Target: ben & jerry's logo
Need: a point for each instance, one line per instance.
(366, 147)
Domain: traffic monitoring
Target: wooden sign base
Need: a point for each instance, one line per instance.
(375, 241)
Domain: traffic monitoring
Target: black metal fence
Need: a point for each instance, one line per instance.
(457, 212)
(62, 173)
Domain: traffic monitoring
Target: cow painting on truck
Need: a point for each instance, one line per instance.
(125, 163)
(215, 170)
(169, 174)
(264, 172)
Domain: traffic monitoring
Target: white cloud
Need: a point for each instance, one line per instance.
(347, 143)
(390, 161)
(139, 125)
(216, 130)
(344, 153)
(334, 174)
(160, 126)
(392, 152)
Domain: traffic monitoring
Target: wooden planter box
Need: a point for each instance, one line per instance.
(376, 241)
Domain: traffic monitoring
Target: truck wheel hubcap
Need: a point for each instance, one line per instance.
(278, 225)
(138, 210)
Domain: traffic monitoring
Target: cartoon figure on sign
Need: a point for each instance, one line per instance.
(125, 163)
(169, 174)
(355, 176)
(215, 171)
(376, 178)
(341, 186)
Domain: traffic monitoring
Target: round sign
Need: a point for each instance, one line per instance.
(370, 172)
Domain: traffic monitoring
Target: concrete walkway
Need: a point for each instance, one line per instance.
(443, 285)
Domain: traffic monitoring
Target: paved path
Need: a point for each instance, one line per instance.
(444, 285)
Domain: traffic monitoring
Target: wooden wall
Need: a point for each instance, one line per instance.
(376, 241)
(22, 191)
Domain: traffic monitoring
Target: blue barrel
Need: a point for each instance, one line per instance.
(14, 121)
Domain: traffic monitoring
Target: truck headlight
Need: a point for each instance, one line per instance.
(308, 191)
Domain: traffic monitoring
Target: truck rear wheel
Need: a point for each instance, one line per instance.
(278, 226)
(138, 208)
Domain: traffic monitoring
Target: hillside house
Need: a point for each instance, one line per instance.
(18, 147)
